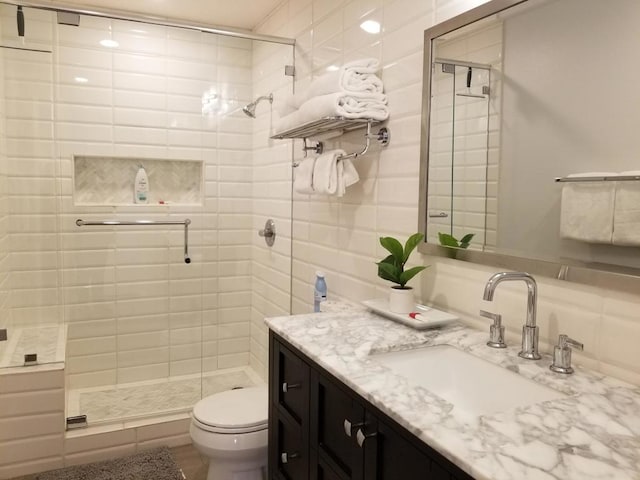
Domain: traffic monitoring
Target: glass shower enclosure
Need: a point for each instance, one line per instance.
(88, 276)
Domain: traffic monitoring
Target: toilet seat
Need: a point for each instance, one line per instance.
(233, 412)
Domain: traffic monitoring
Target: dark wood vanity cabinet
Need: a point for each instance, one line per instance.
(319, 429)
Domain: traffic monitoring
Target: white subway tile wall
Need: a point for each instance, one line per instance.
(31, 421)
(385, 201)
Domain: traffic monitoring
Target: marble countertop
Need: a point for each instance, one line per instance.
(593, 433)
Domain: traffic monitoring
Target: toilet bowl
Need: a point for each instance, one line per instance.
(230, 429)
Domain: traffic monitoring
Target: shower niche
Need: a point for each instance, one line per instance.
(109, 181)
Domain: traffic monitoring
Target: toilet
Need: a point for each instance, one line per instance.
(230, 429)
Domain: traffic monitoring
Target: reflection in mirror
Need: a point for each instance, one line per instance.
(515, 98)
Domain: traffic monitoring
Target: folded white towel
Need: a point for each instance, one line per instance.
(303, 182)
(586, 212)
(626, 216)
(353, 77)
(357, 76)
(352, 105)
(332, 175)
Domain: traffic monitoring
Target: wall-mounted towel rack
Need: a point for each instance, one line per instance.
(186, 222)
(608, 178)
(332, 124)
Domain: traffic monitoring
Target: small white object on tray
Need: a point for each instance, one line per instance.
(426, 317)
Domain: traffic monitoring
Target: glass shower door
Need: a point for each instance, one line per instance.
(30, 307)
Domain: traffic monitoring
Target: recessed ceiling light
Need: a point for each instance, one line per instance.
(370, 26)
(332, 68)
(81, 79)
(109, 43)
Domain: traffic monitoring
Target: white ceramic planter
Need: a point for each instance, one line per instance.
(401, 300)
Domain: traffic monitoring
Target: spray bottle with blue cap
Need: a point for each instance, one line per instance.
(320, 291)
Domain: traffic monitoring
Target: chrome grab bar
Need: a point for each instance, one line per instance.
(103, 223)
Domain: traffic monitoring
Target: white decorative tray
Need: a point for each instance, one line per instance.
(429, 317)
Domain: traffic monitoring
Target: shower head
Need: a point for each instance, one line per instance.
(250, 110)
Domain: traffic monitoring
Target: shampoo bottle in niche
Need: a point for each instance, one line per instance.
(141, 186)
(320, 291)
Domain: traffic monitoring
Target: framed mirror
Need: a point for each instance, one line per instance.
(529, 151)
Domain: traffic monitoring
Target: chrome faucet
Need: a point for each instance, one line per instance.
(530, 331)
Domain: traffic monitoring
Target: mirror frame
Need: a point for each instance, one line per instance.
(600, 275)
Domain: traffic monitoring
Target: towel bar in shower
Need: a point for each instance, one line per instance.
(605, 178)
(103, 223)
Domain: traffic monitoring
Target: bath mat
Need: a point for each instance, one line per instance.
(157, 464)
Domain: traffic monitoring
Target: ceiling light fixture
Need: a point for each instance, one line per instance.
(370, 26)
(81, 79)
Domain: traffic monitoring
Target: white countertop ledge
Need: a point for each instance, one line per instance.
(592, 434)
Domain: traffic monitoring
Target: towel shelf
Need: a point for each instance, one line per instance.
(333, 124)
(608, 178)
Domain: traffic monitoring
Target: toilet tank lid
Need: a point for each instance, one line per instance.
(244, 407)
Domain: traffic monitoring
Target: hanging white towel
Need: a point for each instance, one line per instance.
(325, 173)
(332, 175)
(626, 216)
(303, 181)
(586, 212)
(347, 175)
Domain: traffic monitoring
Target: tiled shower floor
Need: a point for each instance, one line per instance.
(142, 399)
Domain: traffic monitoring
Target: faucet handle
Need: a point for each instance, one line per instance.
(562, 354)
(496, 330)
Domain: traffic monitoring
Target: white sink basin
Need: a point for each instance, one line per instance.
(473, 385)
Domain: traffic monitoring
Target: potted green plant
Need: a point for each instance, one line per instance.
(392, 269)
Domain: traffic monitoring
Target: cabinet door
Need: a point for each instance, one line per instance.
(288, 414)
(335, 417)
(389, 456)
(292, 458)
(291, 383)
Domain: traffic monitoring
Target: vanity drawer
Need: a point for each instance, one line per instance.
(292, 383)
(292, 451)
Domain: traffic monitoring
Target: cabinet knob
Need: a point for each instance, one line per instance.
(285, 457)
(361, 437)
(288, 386)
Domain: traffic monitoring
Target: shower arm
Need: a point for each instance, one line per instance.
(106, 223)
